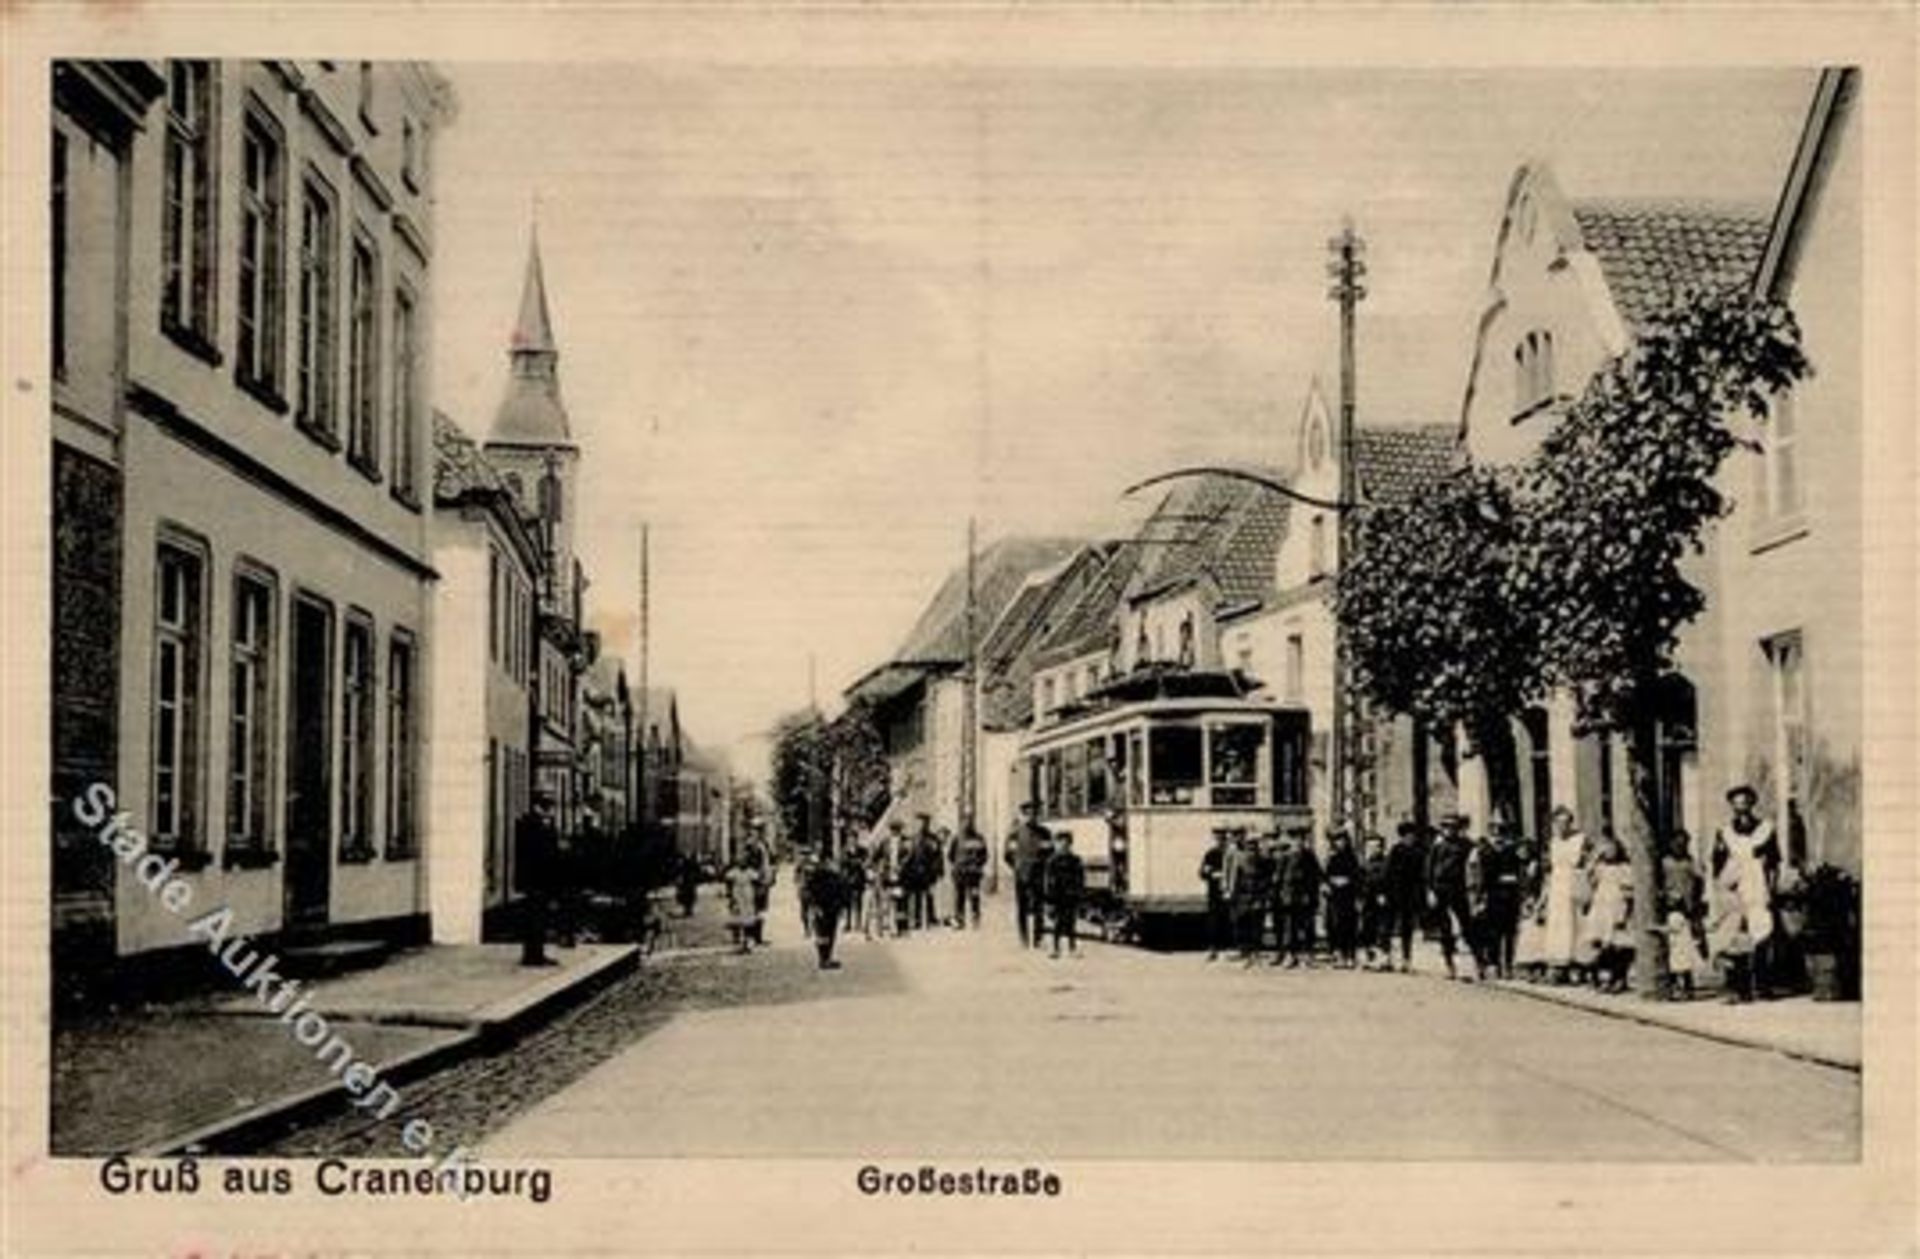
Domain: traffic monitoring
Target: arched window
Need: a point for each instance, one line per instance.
(1317, 546)
(1186, 641)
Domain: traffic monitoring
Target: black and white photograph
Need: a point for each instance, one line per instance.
(935, 620)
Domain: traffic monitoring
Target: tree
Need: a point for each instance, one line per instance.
(801, 766)
(1424, 600)
(1618, 496)
(861, 780)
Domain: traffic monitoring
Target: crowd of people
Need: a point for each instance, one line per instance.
(1559, 913)
(1497, 905)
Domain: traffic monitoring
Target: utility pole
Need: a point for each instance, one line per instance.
(970, 697)
(1346, 270)
(646, 699)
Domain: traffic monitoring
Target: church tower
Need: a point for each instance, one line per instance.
(532, 442)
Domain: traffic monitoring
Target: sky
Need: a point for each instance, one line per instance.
(810, 323)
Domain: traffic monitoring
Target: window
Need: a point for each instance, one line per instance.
(1046, 696)
(1532, 371)
(1786, 656)
(356, 742)
(59, 226)
(1317, 547)
(363, 360)
(403, 831)
(1092, 679)
(1073, 767)
(406, 401)
(1292, 750)
(261, 254)
(496, 789)
(1296, 675)
(1186, 641)
(1782, 472)
(249, 714)
(1050, 784)
(1234, 760)
(1176, 763)
(314, 357)
(1540, 769)
(187, 215)
(366, 98)
(496, 608)
(1140, 648)
(410, 154)
(177, 648)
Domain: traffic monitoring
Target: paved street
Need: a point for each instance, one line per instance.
(951, 1044)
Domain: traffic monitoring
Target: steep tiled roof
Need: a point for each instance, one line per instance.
(1395, 463)
(1221, 526)
(1649, 249)
(940, 635)
(1089, 624)
(459, 468)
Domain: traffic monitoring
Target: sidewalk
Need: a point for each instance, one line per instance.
(1826, 1032)
(214, 1072)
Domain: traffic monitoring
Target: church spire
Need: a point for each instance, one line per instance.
(533, 332)
(532, 413)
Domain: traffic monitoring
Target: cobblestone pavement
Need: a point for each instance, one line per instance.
(471, 1099)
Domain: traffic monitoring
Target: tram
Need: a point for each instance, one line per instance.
(1147, 770)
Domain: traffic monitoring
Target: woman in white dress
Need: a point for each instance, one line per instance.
(1565, 848)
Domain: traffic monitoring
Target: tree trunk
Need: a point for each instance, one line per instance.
(1641, 838)
(1494, 739)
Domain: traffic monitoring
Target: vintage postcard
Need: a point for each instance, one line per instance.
(1259, 629)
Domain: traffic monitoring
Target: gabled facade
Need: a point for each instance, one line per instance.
(1570, 282)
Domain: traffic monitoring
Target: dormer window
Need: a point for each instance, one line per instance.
(1532, 372)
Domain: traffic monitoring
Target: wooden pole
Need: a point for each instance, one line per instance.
(1346, 270)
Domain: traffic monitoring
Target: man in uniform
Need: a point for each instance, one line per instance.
(1249, 888)
(1213, 873)
(825, 896)
(1406, 890)
(968, 861)
(1066, 886)
(1343, 900)
(1026, 851)
(536, 854)
(760, 861)
(1503, 875)
(1447, 886)
(1299, 893)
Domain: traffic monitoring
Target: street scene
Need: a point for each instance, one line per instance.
(1002, 613)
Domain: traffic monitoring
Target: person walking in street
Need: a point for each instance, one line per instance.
(1503, 878)
(1681, 901)
(853, 871)
(1213, 873)
(1025, 853)
(743, 904)
(1299, 896)
(1447, 887)
(968, 862)
(1566, 861)
(1752, 845)
(913, 877)
(1249, 890)
(686, 889)
(1343, 901)
(1406, 889)
(1065, 887)
(826, 900)
(1607, 926)
(1376, 906)
(759, 864)
(803, 864)
(536, 854)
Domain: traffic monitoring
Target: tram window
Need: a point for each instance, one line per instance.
(1074, 768)
(1052, 772)
(1099, 793)
(1176, 763)
(1236, 764)
(1290, 751)
(1136, 770)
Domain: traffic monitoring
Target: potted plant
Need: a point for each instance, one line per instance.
(1831, 936)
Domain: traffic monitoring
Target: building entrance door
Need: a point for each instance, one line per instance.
(309, 795)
